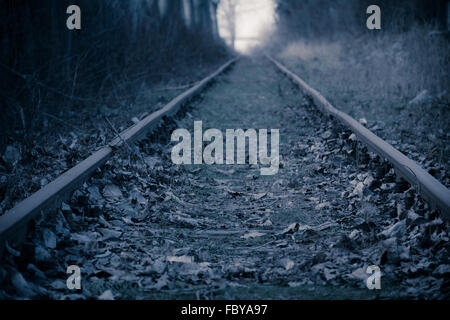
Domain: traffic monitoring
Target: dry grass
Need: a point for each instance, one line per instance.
(377, 77)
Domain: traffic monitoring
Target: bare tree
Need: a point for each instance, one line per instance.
(227, 12)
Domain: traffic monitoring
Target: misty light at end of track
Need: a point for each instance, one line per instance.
(252, 21)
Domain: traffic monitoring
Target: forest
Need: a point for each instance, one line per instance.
(46, 67)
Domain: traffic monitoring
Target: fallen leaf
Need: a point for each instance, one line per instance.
(109, 234)
(181, 259)
(358, 274)
(258, 196)
(293, 227)
(253, 235)
(112, 193)
(288, 264)
(49, 239)
(162, 282)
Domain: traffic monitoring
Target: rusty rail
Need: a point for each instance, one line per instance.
(427, 186)
(13, 224)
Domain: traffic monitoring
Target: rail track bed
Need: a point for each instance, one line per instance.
(143, 228)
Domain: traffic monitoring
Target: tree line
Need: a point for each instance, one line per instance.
(42, 61)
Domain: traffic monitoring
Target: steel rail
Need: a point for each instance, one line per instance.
(13, 224)
(428, 187)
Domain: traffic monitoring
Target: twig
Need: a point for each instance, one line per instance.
(127, 144)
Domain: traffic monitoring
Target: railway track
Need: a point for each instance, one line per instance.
(260, 198)
(430, 188)
(13, 224)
